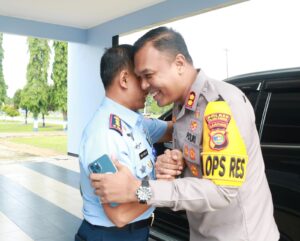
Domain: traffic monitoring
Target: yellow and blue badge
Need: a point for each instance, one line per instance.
(115, 123)
(217, 124)
(224, 155)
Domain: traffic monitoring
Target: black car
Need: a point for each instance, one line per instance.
(275, 97)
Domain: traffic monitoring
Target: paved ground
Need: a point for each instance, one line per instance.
(38, 180)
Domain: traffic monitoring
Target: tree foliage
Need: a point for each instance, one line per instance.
(17, 102)
(17, 99)
(3, 86)
(152, 108)
(34, 96)
(10, 110)
(59, 76)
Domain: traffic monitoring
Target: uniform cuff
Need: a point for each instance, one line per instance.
(162, 193)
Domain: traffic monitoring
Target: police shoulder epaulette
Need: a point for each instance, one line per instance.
(115, 123)
(191, 101)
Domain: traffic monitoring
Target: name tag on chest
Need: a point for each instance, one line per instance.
(143, 154)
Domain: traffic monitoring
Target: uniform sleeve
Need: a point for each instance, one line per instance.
(107, 142)
(155, 127)
(203, 195)
(118, 148)
(191, 194)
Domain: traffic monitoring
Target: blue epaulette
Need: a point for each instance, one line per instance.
(115, 123)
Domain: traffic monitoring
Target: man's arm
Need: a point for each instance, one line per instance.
(124, 213)
(179, 194)
(121, 185)
(168, 134)
(158, 130)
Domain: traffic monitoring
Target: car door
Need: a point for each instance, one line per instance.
(279, 130)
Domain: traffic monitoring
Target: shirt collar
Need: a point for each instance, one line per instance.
(201, 86)
(130, 117)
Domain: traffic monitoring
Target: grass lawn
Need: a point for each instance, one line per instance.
(56, 143)
(15, 126)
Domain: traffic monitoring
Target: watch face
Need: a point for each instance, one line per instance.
(143, 194)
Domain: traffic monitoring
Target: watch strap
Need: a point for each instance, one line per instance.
(145, 183)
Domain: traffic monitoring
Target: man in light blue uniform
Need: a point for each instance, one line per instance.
(118, 130)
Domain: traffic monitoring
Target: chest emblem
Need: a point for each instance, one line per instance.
(192, 154)
(143, 169)
(186, 150)
(194, 170)
(193, 125)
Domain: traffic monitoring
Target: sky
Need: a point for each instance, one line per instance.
(251, 36)
(16, 58)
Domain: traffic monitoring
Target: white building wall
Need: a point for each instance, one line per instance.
(85, 89)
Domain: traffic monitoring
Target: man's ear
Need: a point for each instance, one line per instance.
(180, 63)
(123, 79)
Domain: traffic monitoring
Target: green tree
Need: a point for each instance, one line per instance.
(153, 109)
(17, 102)
(10, 110)
(24, 104)
(60, 76)
(35, 94)
(17, 99)
(3, 86)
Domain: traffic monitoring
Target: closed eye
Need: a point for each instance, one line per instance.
(148, 76)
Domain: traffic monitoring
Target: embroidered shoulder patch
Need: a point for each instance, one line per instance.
(115, 123)
(224, 156)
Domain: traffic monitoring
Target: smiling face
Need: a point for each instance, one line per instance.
(159, 73)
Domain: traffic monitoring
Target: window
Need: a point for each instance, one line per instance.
(282, 124)
(252, 96)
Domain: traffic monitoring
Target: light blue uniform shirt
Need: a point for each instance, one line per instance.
(131, 144)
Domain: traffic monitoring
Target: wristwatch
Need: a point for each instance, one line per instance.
(144, 193)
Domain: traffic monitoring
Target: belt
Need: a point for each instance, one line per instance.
(128, 227)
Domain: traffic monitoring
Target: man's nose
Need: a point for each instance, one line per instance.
(145, 85)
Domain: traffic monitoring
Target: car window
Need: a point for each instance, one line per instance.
(282, 123)
(252, 96)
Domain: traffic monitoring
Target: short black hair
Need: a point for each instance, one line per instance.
(164, 39)
(113, 61)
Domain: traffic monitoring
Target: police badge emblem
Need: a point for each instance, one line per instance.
(217, 124)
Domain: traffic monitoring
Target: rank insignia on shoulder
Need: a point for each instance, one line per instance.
(115, 123)
(191, 101)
